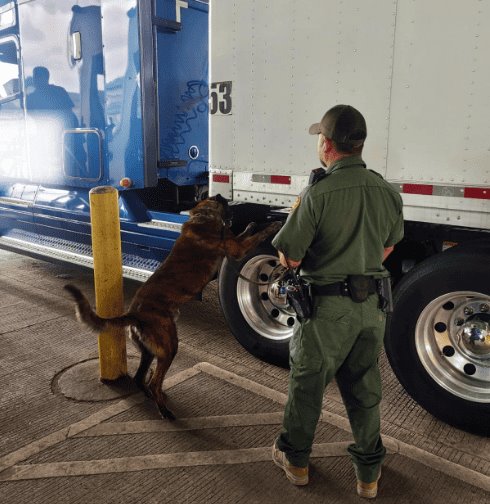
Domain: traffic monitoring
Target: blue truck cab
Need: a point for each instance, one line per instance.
(101, 92)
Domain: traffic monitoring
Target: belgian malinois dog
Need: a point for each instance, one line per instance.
(192, 263)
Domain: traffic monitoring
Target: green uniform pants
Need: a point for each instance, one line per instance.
(341, 340)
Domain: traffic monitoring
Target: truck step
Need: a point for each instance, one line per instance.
(39, 251)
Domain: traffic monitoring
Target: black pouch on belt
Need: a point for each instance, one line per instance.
(360, 287)
(385, 296)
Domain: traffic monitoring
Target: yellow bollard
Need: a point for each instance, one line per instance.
(109, 298)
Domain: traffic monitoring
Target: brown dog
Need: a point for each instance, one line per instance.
(193, 262)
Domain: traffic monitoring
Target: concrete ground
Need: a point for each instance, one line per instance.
(54, 449)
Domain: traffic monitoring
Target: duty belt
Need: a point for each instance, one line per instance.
(340, 288)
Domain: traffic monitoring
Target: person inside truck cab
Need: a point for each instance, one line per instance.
(46, 96)
(339, 232)
(51, 109)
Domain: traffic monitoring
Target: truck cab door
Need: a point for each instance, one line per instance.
(181, 46)
(62, 65)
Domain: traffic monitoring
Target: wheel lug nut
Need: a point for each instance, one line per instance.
(468, 310)
(484, 308)
(459, 322)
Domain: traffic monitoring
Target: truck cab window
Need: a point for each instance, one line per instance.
(9, 70)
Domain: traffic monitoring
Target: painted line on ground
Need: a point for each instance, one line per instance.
(34, 471)
(72, 430)
(56, 437)
(160, 461)
(183, 424)
(437, 463)
(392, 445)
(262, 390)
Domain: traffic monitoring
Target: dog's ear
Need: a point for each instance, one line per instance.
(221, 200)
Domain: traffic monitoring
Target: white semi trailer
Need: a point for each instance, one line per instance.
(419, 71)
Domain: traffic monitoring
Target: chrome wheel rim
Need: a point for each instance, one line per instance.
(452, 339)
(263, 308)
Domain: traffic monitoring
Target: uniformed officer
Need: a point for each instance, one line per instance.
(339, 232)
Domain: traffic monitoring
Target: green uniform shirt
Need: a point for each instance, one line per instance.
(342, 224)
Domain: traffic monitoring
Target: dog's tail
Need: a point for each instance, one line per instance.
(86, 314)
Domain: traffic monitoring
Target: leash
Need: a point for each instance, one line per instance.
(254, 282)
(237, 271)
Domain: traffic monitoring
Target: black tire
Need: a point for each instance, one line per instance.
(259, 322)
(448, 376)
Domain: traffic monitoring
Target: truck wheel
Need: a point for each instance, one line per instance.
(438, 338)
(258, 316)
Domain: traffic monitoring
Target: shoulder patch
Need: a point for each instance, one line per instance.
(296, 204)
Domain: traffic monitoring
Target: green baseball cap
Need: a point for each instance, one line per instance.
(343, 124)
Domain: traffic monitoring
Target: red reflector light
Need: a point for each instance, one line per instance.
(222, 179)
(417, 189)
(280, 179)
(476, 192)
